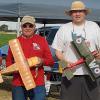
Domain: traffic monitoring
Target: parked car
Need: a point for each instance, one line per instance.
(52, 76)
(49, 33)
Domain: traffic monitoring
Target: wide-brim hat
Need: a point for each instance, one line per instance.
(77, 5)
(28, 19)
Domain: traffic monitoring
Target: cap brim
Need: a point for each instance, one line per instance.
(27, 22)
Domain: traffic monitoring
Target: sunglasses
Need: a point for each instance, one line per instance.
(28, 25)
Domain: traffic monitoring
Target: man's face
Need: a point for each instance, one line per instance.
(78, 16)
(28, 29)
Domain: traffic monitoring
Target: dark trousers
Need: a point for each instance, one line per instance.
(20, 93)
(81, 87)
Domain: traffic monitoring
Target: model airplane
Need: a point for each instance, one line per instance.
(21, 65)
(86, 57)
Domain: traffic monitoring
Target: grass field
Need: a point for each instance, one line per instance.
(4, 38)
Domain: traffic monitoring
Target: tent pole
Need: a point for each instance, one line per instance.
(18, 27)
(44, 23)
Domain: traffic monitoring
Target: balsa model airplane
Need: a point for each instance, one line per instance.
(21, 65)
(85, 56)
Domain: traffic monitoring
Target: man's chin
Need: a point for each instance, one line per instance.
(78, 21)
(28, 36)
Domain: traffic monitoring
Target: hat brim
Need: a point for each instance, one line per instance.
(68, 12)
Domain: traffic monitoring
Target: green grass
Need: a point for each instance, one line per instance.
(4, 38)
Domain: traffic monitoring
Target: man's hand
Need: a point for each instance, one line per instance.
(70, 64)
(97, 54)
(78, 62)
(40, 62)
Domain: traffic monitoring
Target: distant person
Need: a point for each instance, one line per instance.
(0, 57)
(32, 45)
(81, 86)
